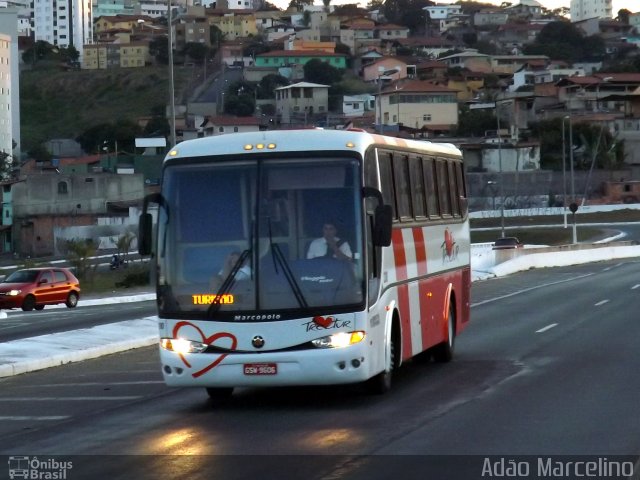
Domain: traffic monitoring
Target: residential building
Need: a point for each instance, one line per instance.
(469, 59)
(509, 64)
(307, 45)
(386, 69)
(112, 8)
(389, 31)
(6, 221)
(223, 124)
(440, 12)
(357, 105)
(64, 23)
(10, 96)
(151, 8)
(525, 9)
(301, 102)
(116, 55)
(6, 86)
(44, 202)
(233, 23)
(191, 29)
(585, 9)
(287, 58)
(418, 104)
(486, 18)
(119, 22)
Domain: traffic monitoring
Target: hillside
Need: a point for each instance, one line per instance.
(56, 104)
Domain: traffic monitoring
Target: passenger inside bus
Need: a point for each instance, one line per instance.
(329, 245)
(244, 272)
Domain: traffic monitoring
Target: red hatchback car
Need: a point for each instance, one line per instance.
(36, 287)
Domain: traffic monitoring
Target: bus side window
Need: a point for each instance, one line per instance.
(431, 189)
(386, 182)
(417, 187)
(453, 189)
(402, 188)
(442, 178)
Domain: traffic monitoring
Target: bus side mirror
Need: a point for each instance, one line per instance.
(382, 226)
(145, 234)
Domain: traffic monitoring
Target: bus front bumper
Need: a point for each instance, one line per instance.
(321, 366)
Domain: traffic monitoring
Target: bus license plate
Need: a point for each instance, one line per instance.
(260, 368)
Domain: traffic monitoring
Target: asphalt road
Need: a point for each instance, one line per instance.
(548, 366)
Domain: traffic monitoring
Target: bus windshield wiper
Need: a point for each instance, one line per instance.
(279, 258)
(228, 282)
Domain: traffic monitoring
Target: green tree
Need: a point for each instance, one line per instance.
(623, 16)
(216, 37)
(239, 99)
(564, 41)
(195, 51)
(157, 126)
(268, 85)
(159, 49)
(268, 7)
(79, 256)
(298, 5)
(474, 123)
(40, 153)
(317, 71)
(124, 245)
(407, 12)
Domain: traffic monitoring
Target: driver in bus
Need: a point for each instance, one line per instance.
(243, 273)
(329, 245)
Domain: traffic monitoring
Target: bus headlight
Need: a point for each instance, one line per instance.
(182, 346)
(339, 340)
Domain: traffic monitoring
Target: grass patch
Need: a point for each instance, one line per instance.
(119, 280)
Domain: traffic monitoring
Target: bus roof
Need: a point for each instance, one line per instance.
(300, 141)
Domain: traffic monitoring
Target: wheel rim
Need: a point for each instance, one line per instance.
(73, 299)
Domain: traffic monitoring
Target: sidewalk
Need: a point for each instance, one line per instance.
(44, 351)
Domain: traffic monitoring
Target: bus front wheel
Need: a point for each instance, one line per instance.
(381, 383)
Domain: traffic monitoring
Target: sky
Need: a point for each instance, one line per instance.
(631, 5)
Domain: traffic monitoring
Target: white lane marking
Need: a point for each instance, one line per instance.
(73, 399)
(548, 327)
(101, 384)
(601, 302)
(531, 289)
(637, 285)
(19, 418)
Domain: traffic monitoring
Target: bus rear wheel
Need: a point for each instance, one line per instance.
(443, 352)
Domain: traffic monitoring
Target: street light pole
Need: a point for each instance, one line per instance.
(564, 174)
(172, 100)
(501, 176)
(573, 195)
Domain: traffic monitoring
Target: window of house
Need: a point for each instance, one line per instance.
(426, 118)
(308, 93)
(62, 188)
(235, 129)
(221, 129)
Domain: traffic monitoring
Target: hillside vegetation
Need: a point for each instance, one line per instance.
(62, 104)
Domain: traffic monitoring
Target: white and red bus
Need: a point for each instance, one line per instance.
(241, 301)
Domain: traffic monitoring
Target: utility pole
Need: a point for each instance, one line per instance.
(172, 100)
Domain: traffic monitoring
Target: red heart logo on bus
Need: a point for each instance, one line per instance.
(323, 321)
(208, 341)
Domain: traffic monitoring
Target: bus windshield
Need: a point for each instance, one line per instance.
(248, 239)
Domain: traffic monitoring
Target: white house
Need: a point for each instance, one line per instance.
(357, 105)
(300, 102)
